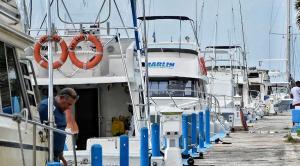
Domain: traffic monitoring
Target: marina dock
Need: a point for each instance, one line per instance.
(264, 144)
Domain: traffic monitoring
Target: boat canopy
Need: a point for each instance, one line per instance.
(278, 84)
(224, 47)
(183, 18)
(178, 50)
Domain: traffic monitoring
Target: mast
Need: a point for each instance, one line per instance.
(288, 41)
(244, 54)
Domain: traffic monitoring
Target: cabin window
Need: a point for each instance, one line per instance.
(176, 87)
(253, 75)
(10, 92)
(238, 90)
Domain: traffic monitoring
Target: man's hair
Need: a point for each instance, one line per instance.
(68, 92)
(298, 83)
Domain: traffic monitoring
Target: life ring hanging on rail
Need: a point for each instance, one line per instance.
(94, 60)
(42, 61)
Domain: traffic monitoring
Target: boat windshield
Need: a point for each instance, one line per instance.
(278, 89)
(175, 87)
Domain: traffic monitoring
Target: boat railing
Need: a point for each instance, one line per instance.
(200, 98)
(224, 57)
(225, 101)
(211, 101)
(19, 118)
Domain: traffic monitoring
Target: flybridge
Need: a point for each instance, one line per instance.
(161, 64)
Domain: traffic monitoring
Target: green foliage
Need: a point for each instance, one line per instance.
(298, 132)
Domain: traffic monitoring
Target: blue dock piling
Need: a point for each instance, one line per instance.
(54, 164)
(185, 131)
(155, 134)
(207, 126)
(194, 132)
(201, 131)
(144, 161)
(124, 151)
(96, 155)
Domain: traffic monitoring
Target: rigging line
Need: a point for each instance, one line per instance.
(216, 34)
(194, 32)
(196, 17)
(200, 23)
(67, 22)
(233, 21)
(98, 14)
(64, 5)
(148, 22)
(121, 18)
(44, 19)
(244, 48)
(270, 29)
(243, 34)
(154, 23)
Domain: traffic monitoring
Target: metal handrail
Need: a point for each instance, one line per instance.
(38, 124)
(35, 123)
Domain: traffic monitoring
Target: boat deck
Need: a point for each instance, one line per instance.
(263, 145)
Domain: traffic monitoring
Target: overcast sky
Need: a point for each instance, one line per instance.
(259, 17)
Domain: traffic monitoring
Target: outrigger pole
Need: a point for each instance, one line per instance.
(134, 19)
(139, 50)
(50, 83)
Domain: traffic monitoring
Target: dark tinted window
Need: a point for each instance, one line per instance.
(176, 87)
(10, 86)
(4, 90)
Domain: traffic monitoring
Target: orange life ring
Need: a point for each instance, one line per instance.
(94, 60)
(42, 61)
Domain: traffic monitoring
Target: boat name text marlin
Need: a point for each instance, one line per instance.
(158, 64)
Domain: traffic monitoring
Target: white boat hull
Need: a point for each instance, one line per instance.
(10, 151)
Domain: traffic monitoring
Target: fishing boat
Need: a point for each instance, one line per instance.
(226, 69)
(23, 139)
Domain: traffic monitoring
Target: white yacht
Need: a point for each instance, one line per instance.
(258, 88)
(22, 139)
(278, 94)
(228, 82)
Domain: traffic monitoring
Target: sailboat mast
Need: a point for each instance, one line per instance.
(288, 40)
